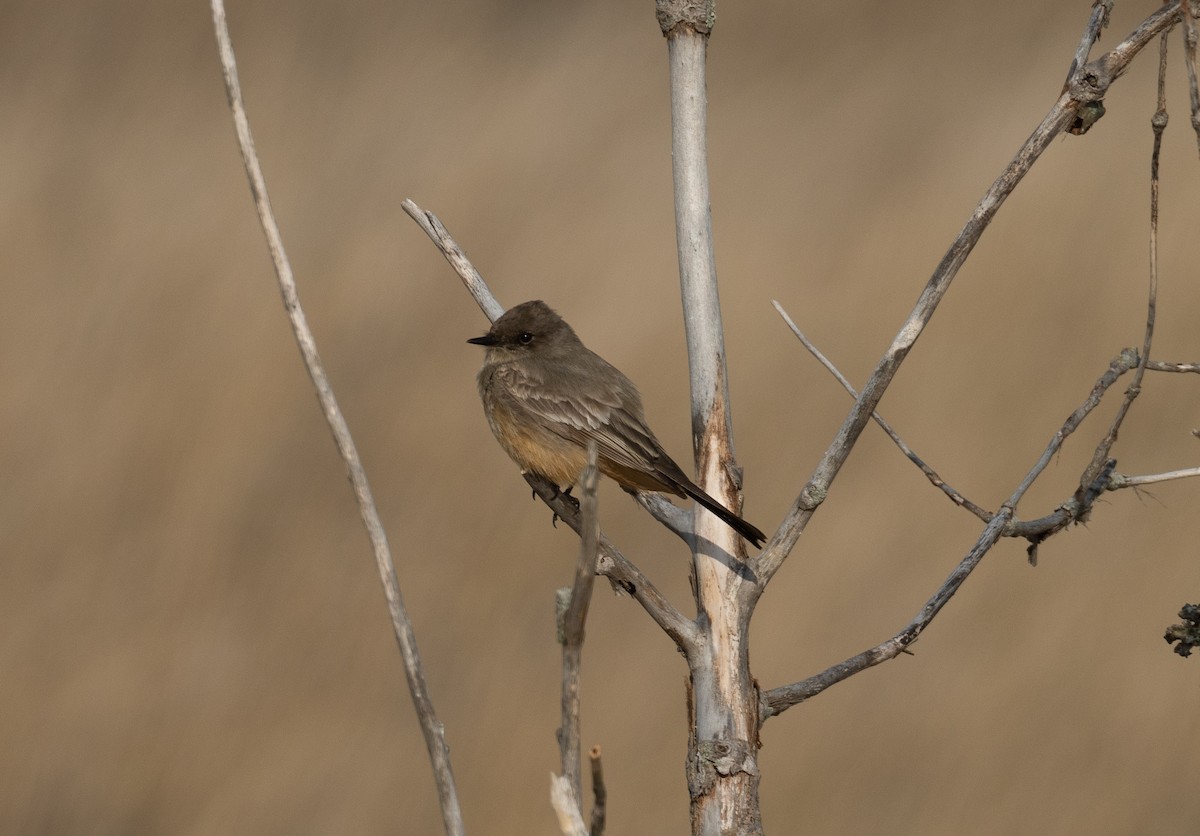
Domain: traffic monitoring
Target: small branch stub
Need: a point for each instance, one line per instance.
(697, 15)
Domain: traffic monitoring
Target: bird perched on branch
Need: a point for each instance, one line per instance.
(546, 395)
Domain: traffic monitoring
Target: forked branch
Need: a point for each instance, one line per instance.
(1088, 85)
(1098, 477)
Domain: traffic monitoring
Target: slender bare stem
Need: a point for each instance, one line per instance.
(458, 259)
(1178, 368)
(571, 626)
(1091, 33)
(435, 739)
(777, 700)
(930, 474)
(1158, 124)
(1119, 480)
(623, 573)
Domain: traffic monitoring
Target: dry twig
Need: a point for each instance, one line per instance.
(435, 739)
(572, 619)
(930, 474)
(1158, 123)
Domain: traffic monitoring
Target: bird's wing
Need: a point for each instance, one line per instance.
(608, 415)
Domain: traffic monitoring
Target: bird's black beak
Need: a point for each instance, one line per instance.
(486, 339)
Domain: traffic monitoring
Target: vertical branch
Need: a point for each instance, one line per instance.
(431, 727)
(574, 614)
(1158, 124)
(711, 425)
(1091, 33)
(722, 766)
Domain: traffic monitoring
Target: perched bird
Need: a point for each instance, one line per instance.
(546, 395)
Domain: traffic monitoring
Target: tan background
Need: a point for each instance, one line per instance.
(192, 635)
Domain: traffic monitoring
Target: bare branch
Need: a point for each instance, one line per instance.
(676, 519)
(778, 700)
(1158, 124)
(458, 259)
(1178, 368)
(431, 727)
(1119, 480)
(1102, 72)
(1002, 524)
(573, 617)
(721, 765)
(1089, 85)
(1101, 9)
(930, 473)
(618, 569)
(712, 426)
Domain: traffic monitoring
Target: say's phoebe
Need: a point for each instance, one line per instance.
(546, 395)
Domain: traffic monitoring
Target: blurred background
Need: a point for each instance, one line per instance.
(193, 637)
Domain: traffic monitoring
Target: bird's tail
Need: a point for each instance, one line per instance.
(749, 532)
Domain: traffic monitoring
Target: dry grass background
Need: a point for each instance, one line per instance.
(192, 636)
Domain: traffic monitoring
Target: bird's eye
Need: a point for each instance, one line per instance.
(526, 338)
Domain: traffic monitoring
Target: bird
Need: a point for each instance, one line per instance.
(546, 395)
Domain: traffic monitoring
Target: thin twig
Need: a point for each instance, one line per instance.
(676, 519)
(1189, 60)
(431, 727)
(1178, 368)
(1157, 123)
(1091, 33)
(458, 259)
(930, 474)
(1090, 84)
(599, 794)
(573, 618)
(1119, 480)
(617, 568)
(777, 700)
